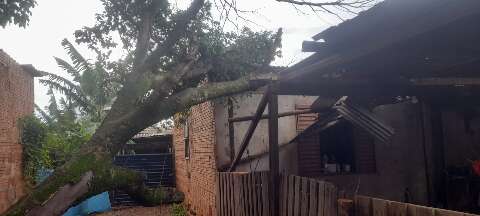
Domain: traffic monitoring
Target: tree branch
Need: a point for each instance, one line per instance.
(131, 91)
(344, 3)
(180, 28)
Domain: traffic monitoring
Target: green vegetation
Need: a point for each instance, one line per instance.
(17, 12)
(178, 210)
(49, 145)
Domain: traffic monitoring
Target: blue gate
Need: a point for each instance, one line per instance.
(158, 170)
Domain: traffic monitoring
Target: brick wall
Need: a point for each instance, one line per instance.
(16, 100)
(196, 176)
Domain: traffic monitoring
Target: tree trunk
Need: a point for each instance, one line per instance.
(86, 175)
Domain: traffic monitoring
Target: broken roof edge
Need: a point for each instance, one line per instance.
(29, 68)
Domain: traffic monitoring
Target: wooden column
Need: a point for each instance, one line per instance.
(273, 152)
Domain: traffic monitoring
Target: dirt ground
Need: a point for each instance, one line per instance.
(143, 211)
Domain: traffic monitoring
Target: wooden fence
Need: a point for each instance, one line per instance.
(242, 194)
(368, 206)
(302, 196)
(246, 194)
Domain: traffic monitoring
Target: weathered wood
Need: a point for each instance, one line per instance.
(258, 192)
(297, 196)
(442, 212)
(304, 197)
(218, 194)
(273, 152)
(251, 129)
(313, 193)
(249, 194)
(231, 194)
(265, 194)
(236, 196)
(379, 207)
(330, 199)
(284, 195)
(280, 115)
(321, 199)
(397, 209)
(253, 191)
(423, 211)
(291, 195)
(345, 207)
(363, 206)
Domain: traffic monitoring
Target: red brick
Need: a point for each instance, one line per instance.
(16, 101)
(199, 188)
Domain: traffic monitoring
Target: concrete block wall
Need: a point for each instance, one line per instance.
(195, 176)
(16, 101)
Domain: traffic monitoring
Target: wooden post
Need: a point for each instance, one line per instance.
(345, 207)
(273, 150)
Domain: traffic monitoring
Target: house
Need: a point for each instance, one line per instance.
(202, 146)
(391, 112)
(16, 101)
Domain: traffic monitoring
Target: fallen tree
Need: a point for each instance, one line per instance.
(171, 68)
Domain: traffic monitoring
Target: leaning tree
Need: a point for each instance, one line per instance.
(176, 59)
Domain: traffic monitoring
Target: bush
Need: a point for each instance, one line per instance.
(178, 210)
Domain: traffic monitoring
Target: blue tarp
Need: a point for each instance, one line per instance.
(98, 203)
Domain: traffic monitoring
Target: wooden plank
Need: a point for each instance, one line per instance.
(251, 129)
(442, 212)
(291, 194)
(253, 191)
(321, 199)
(273, 151)
(231, 191)
(284, 195)
(266, 202)
(297, 196)
(280, 115)
(243, 197)
(236, 195)
(330, 199)
(258, 192)
(304, 193)
(345, 207)
(363, 206)
(313, 198)
(423, 211)
(218, 196)
(226, 191)
(249, 192)
(397, 209)
(379, 207)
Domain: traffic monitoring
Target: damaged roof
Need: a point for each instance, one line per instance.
(152, 131)
(396, 40)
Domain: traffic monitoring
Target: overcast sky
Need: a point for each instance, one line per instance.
(53, 20)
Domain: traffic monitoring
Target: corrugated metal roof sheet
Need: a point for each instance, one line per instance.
(345, 109)
(151, 132)
(364, 119)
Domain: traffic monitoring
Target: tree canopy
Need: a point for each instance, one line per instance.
(17, 12)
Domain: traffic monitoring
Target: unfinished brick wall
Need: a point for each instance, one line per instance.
(16, 101)
(195, 176)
